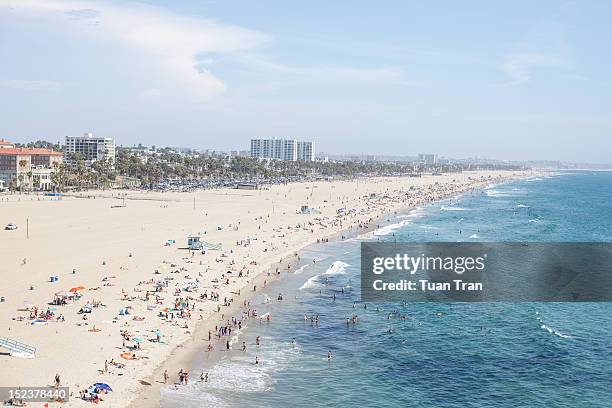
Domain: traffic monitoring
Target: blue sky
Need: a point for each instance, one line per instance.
(506, 80)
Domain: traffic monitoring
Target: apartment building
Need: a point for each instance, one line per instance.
(92, 148)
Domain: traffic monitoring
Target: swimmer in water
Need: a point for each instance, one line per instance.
(256, 359)
(329, 355)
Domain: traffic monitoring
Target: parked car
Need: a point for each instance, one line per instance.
(10, 227)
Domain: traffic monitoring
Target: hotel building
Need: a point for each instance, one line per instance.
(282, 149)
(28, 167)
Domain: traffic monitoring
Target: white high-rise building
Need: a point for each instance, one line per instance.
(281, 149)
(428, 158)
(91, 148)
(306, 151)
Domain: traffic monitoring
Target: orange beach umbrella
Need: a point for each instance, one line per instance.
(77, 289)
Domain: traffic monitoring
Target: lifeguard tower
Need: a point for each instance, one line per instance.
(194, 243)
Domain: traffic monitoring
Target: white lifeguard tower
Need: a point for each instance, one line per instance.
(194, 242)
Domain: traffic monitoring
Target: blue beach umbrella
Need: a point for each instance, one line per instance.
(102, 386)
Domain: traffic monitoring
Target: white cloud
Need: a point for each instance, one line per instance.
(185, 49)
(30, 85)
(333, 73)
(171, 41)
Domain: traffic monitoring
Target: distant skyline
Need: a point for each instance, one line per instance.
(517, 80)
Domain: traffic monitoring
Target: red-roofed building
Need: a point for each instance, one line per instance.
(28, 167)
(4, 144)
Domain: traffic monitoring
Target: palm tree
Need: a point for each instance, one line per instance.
(22, 166)
(29, 175)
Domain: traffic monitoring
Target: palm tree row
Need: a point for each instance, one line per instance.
(167, 165)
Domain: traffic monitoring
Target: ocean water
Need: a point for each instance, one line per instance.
(445, 354)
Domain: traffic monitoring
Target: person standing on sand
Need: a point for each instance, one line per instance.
(57, 381)
(165, 376)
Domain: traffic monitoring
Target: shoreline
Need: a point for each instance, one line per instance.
(144, 224)
(184, 353)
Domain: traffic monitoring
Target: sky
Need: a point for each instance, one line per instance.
(515, 80)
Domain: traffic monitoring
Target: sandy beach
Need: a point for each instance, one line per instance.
(146, 301)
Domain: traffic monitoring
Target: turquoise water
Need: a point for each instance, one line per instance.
(443, 354)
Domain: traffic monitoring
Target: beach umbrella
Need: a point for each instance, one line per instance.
(137, 340)
(102, 386)
(77, 289)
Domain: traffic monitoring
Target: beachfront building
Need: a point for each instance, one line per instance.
(306, 151)
(282, 149)
(91, 148)
(28, 167)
